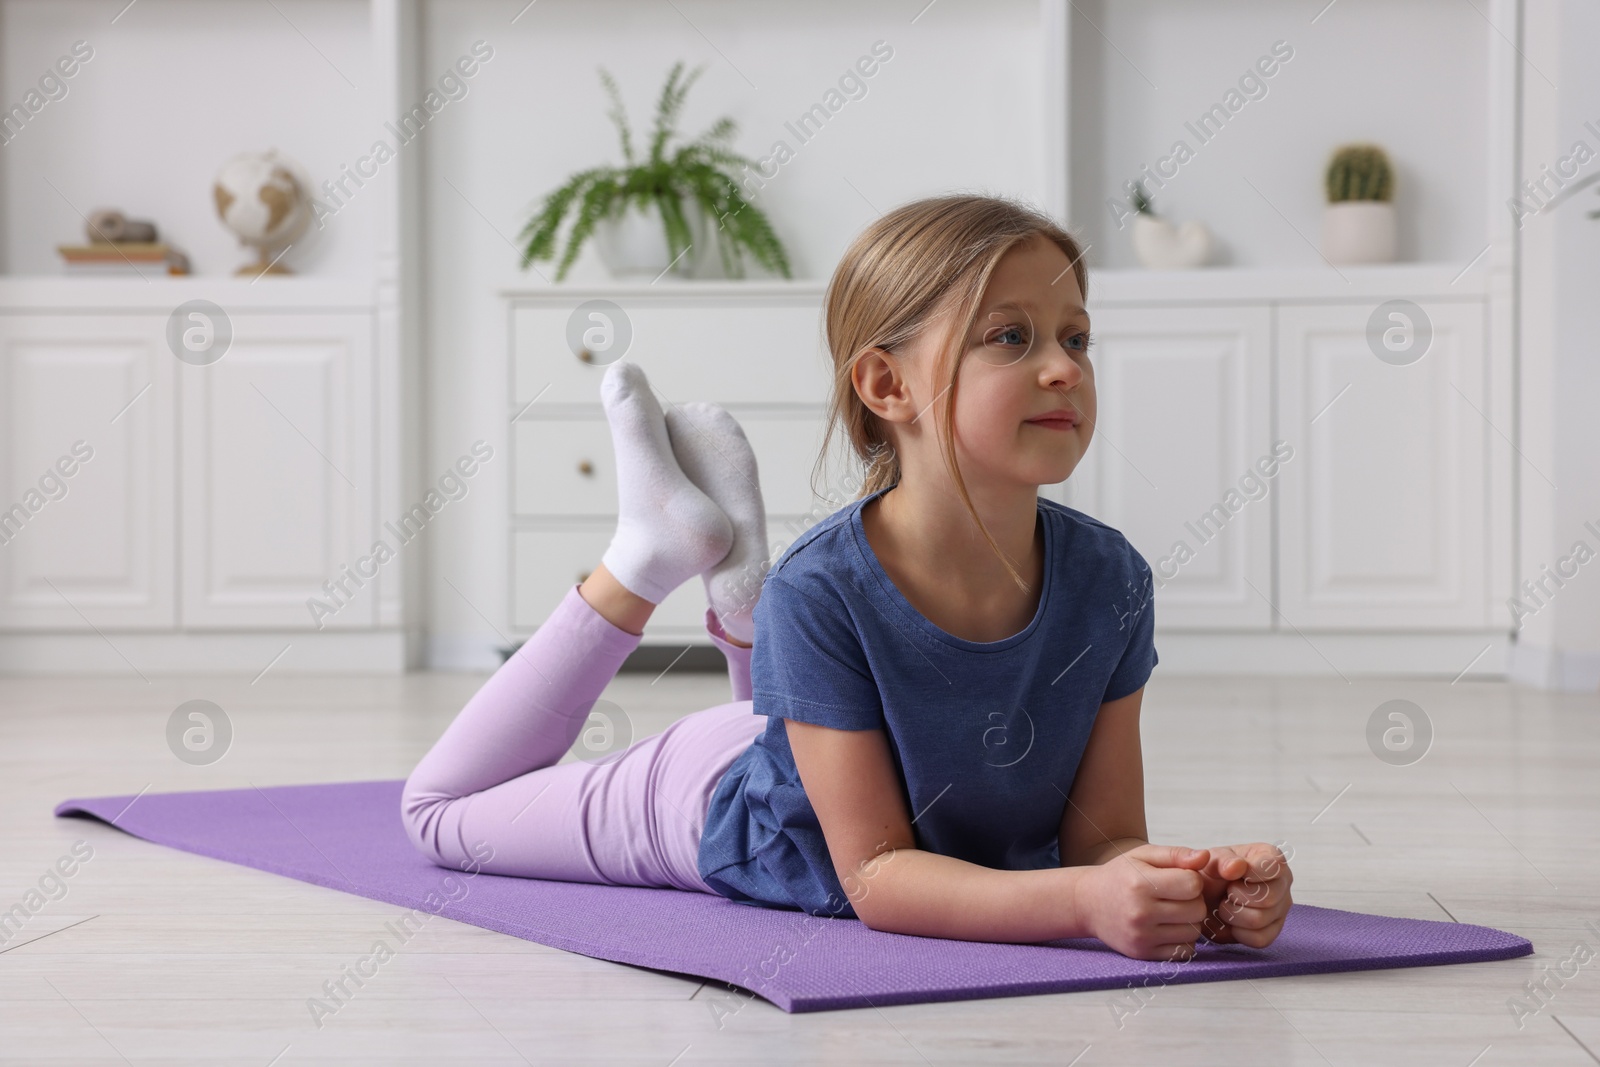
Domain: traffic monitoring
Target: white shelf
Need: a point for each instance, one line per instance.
(1436, 281)
(670, 290)
(1254, 284)
(165, 291)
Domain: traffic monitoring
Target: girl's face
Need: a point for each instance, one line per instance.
(1026, 356)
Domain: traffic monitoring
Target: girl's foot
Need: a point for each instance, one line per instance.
(667, 529)
(714, 453)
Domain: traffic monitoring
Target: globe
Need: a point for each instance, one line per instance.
(261, 197)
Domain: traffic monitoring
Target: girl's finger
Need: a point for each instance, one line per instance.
(1174, 883)
(1225, 865)
(1257, 894)
(1188, 911)
(1258, 938)
(1266, 862)
(1178, 951)
(1175, 932)
(1249, 918)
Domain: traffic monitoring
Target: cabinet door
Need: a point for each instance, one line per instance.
(1181, 442)
(1384, 522)
(93, 548)
(278, 476)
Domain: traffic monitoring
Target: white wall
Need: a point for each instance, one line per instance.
(1404, 69)
(1559, 645)
(173, 90)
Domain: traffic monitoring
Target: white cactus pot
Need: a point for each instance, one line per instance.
(634, 244)
(1162, 246)
(1358, 231)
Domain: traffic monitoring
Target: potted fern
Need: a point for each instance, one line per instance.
(647, 215)
(1358, 223)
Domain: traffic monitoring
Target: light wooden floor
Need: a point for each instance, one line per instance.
(157, 956)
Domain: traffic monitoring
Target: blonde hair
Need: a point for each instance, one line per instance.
(920, 261)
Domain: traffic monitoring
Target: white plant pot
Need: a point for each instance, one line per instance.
(1358, 231)
(634, 245)
(1162, 246)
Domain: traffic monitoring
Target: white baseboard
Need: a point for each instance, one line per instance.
(1416, 655)
(1553, 668)
(1420, 655)
(248, 654)
(471, 654)
(1476, 655)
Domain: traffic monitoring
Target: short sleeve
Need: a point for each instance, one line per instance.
(1135, 624)
(808, 662)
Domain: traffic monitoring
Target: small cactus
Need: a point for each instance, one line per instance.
(1359, 172)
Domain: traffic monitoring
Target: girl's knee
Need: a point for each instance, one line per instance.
(422, 815)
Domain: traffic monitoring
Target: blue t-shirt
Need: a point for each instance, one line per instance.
(986, 735)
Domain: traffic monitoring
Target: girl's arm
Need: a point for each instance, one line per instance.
(1105, 820)
(1104, 817)
(849, 777)
(1146, 905)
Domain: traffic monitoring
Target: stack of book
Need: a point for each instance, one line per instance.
(124, 257)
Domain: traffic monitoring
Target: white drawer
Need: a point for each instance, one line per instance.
(566, 467)
(748, 349)
(563, 467)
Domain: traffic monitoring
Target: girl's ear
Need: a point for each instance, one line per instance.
(880, 383)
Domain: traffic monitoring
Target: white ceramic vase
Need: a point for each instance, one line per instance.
(1358, 231)
(1162, 246)
(634, 244)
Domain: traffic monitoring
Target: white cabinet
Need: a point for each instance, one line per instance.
(1185, 416)
(1384, 510)
(86, 473)
(278, 474)
(217, 497)
(1278, 475)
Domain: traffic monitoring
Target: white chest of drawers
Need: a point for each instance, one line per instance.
(755, 348)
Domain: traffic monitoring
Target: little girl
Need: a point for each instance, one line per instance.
(936, 730)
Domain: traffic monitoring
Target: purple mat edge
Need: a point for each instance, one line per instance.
(1513, 946)
(73, 808)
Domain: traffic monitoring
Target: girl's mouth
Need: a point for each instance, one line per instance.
(1056, 420)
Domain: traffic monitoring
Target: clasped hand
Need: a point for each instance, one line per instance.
(1154, 901)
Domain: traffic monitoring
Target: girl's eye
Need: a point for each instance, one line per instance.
(1018, 335)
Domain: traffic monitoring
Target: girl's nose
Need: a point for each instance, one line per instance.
(1061, 370)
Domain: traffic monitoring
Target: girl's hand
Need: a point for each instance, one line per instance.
(1246, 894)
(1146, 903)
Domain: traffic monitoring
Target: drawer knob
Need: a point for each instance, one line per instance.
(586, 355)
(585, 468)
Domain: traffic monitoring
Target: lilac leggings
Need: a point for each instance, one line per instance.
(634, 818)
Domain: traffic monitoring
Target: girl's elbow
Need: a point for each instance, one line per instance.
(874, 915)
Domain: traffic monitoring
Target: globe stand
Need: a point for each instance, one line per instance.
(261, 266)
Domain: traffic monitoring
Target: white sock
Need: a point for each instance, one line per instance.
(667, 529)
(715, 454)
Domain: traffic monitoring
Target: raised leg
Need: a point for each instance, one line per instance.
(496, 760)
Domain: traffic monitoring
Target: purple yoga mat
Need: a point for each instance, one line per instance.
(348, 836)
